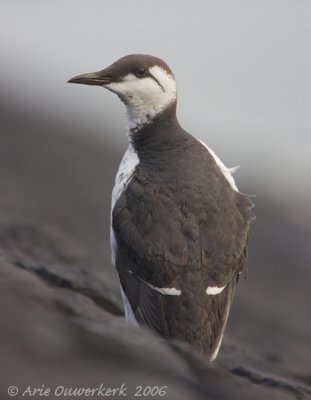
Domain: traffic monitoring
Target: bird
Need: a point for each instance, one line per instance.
(179, 225)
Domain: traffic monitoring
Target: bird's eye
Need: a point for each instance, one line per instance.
(141, 72)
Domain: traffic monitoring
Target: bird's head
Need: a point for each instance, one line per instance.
(144, 83)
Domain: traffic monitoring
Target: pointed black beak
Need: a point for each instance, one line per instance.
(93, 78)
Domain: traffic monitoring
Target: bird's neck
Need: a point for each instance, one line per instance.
(142, 115)
(163, 130)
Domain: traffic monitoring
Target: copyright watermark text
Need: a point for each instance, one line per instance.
(95, 392)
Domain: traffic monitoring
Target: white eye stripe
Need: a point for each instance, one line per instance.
(166, 81)
(155, 79)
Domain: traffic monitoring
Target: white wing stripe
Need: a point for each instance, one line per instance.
(165, 291)
(212, 290)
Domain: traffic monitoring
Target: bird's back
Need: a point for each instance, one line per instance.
(180, 229)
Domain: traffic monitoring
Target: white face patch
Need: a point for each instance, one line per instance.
(144, 97)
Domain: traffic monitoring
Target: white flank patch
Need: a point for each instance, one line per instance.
(129, 315)
(165, 291)
(227, 172)
(144, 97)
(213, 290)
(126, 169)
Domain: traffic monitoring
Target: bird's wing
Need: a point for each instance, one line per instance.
(150, 248)
(142, 302)
(224, 238)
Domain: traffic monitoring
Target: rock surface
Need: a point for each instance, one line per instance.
(62, 315)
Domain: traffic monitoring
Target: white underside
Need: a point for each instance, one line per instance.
(125, 172)
(227, 172)
(129, 315)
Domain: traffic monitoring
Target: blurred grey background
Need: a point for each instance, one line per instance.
(243, 73)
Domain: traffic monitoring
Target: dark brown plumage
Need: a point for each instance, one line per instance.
(179, 226)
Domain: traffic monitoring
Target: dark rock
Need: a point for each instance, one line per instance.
(58, 260)
(60, 337)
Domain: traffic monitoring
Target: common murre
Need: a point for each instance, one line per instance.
(179, 227)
